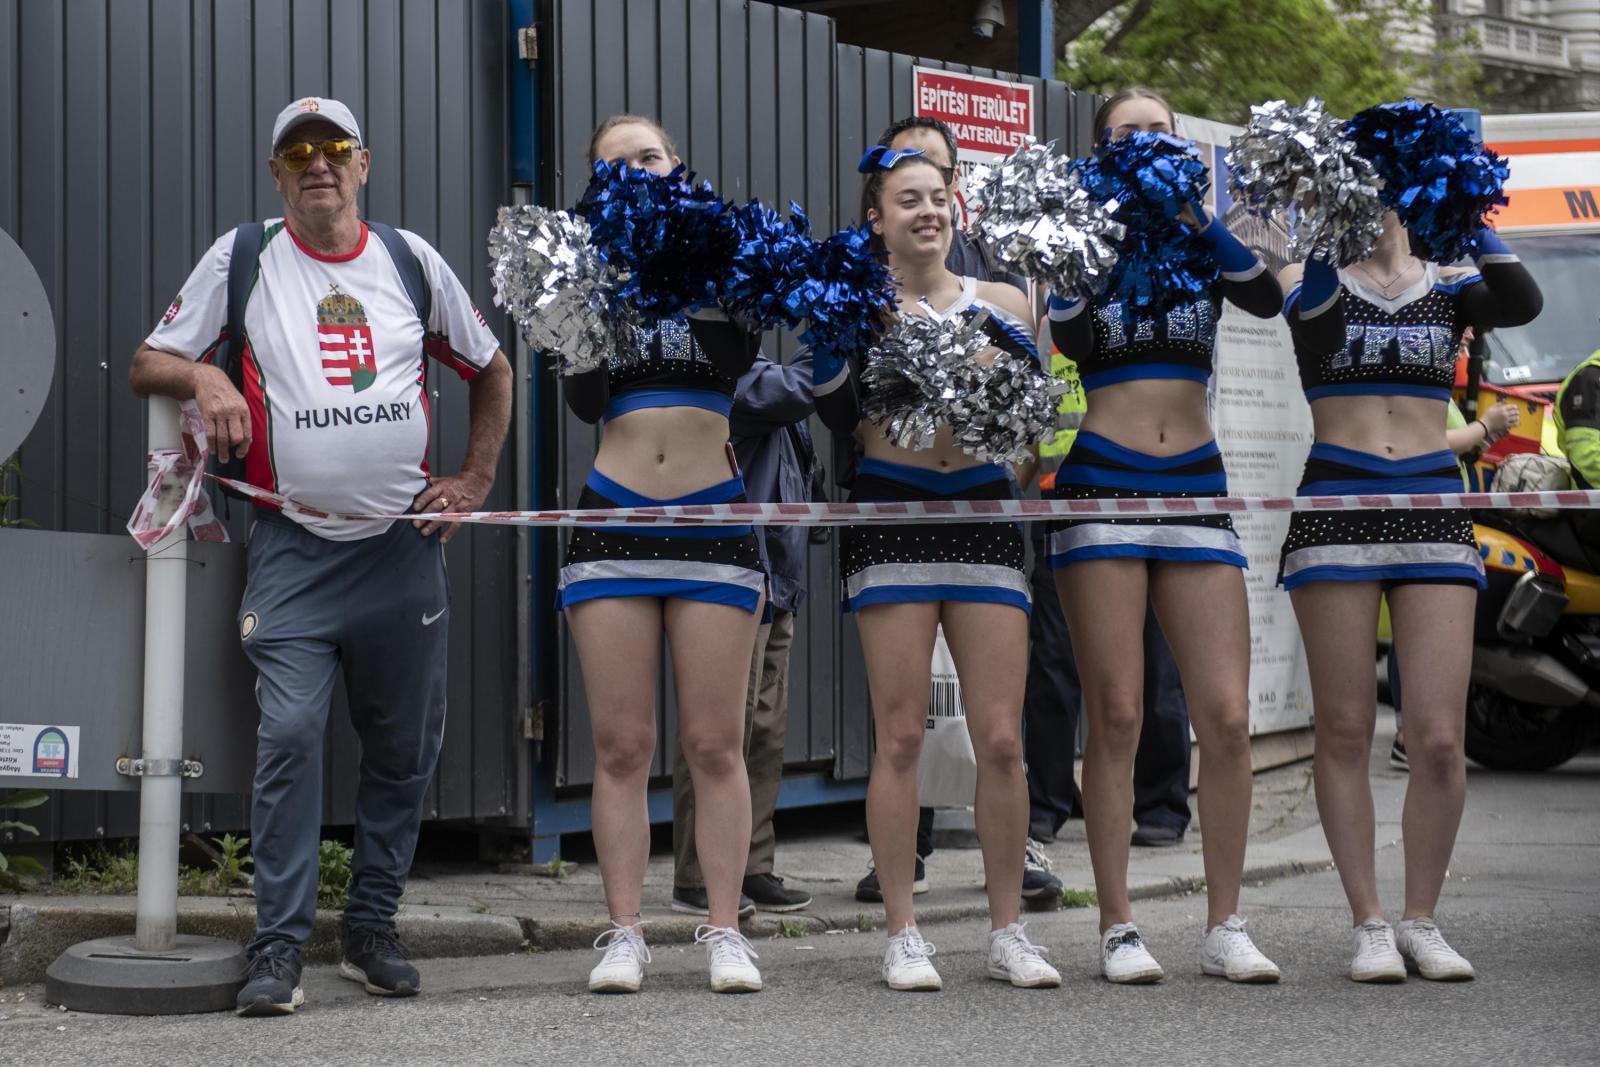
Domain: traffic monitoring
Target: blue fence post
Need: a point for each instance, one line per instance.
(1036, 25)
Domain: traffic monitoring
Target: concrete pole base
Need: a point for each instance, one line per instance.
(110, 975)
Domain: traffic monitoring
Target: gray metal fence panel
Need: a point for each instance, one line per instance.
(132, 133)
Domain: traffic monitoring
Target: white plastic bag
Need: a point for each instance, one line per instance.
(947, 773)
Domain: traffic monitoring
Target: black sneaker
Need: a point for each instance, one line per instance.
(692, 900)
(869, 891)
(271, 981)
(1038, 883)
(1157, 837)
(770, 894)
(1397, 757)
(374, 957)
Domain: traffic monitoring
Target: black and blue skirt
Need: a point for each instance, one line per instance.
(1098, 469)
(905, 563)
(1393, 547)
(715, 564)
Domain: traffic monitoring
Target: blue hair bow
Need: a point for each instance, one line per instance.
(882, 157)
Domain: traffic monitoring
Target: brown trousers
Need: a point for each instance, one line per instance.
(765, 712)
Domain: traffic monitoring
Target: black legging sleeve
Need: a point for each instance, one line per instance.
(587, 394)
(726, 344)
(1507, 296)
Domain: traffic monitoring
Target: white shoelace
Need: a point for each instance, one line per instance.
(1377, 935)
(908, 944)
(728, 945)
(1033, 856)
(1233, 936)
(1019, 944)
(622, 941)
(1432, 940)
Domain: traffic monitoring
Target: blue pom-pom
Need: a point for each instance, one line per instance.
(845, 294)
(670, 237)
(1152, 177)
(771, 260)
(1437, 176)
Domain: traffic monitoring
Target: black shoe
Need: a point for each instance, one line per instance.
(692, 900)
(1397, 757)
(770, 894)
(869, 891)
(374, 957)
(1157, 837)
(271, 981)
(1039, 885)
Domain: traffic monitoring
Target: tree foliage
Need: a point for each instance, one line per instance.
(1214, 58)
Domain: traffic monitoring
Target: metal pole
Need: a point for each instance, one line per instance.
(166, 573)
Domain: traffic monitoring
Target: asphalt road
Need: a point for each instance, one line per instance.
(1520, 903)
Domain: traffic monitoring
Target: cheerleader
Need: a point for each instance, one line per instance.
(1376, 344)
(1146, 434)
(903, 581)
(665, 409)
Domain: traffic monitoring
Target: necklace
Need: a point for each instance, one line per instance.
(1394, 280)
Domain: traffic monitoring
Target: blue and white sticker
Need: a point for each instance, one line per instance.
(29, 750)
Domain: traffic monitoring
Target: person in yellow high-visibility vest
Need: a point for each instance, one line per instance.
(1577, 420)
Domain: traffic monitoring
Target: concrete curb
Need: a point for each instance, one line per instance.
(34, 932)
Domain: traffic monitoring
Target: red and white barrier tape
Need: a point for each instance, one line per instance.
(196, 507)
(178, 476)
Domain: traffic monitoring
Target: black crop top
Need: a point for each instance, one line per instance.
(1364, 344)
(1111, 343)
(678, 362)
(838, 400)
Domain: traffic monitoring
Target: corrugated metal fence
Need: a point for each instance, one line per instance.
(132, 132)
(762, 101)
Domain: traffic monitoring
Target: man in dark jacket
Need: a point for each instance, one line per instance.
(774, 450)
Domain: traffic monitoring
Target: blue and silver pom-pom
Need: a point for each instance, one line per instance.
(772, 259)
(1040, 221)
(554, 283)
(1145, 179)
(845, 297)
(1296, 163)
(670, 238)
(926, 373)
(1436, 175)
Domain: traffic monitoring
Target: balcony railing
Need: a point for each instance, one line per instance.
(1522, 43)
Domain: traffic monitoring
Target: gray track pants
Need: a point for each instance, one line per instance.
(378, 608)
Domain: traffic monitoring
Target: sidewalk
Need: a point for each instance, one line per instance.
(474, 910)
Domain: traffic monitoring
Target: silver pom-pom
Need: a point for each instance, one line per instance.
(554, 284)
(1041, 223)
(926, 373)
(1296, 162)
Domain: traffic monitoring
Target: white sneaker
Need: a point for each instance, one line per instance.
(1376, 959)
(1015, 959)
(1426, 952)
(729, 953)
(906, 964)
(622, 968)
(1228, 952)
(1125, 960)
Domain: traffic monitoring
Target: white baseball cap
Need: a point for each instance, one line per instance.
(309, 108)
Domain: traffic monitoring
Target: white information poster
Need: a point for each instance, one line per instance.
(31, 751)
(1263, 427)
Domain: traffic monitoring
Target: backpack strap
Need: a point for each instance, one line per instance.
(410, 268)
(243, 264)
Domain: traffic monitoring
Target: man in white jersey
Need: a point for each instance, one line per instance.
(334, 321)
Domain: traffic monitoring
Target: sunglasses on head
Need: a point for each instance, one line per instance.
(882, 157)
(297, 155)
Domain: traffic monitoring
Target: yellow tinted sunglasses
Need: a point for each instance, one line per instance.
(297, 155)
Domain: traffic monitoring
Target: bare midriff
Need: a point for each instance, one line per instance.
(665, 452)
(1156, 416)
(1393, 427)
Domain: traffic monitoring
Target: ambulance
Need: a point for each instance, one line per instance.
(1553, 223)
